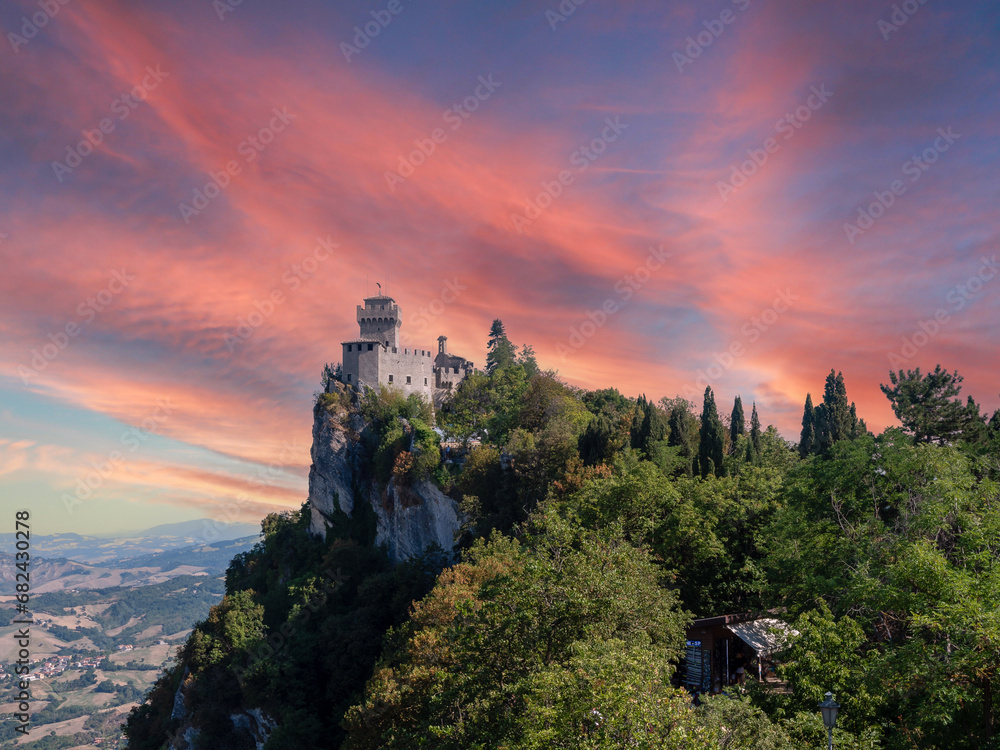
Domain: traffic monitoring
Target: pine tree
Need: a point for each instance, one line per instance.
(927, 405)
(499, 351)
(711, 443)
(807, 438)
(737, 424)
(755, 443)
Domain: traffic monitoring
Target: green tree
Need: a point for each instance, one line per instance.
(903, 539)
(467, 413)
(653, 429)
(807, 438)
(755, 434)
(928, 406)
(597, 443)
(606, 401)
(487, 407)
(526, 359)
(683, 432)
(500, 352)
(516, 643)
(835, 419)
(712, 442)
(638, 417)
(737, 424)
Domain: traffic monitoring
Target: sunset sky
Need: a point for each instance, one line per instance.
(756, 191)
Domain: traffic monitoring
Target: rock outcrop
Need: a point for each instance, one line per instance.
(411, 518)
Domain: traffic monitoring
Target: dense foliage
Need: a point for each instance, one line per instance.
(596, 526)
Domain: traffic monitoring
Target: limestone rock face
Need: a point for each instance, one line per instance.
(336, 456)
(410, 518)
(255, 723)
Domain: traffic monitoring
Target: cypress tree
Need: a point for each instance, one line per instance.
(638, 417)
(653, 429)
(837, 409)
(807, 438)
(680, 426)
(737, 424)
(595, 444)
(755, 443)
(835, 419)
(711, 444)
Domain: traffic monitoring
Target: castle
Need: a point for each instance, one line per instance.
(376, 357)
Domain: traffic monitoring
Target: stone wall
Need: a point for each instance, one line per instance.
(403, 363)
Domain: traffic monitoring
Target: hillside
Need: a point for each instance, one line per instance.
(135, 612)
(589, 530)
(99, 651)
(113, 549)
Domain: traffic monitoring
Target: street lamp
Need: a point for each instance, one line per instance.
(829, 710)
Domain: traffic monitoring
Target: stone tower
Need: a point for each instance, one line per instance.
(379, 320)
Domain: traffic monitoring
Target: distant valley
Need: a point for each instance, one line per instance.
(108, 615)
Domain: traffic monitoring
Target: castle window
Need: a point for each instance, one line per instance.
(407, 379)
(348, 377)
(393, 350)
(370, 346)
(348, 347)
(390, 378)
(456, 371)
(425, 381)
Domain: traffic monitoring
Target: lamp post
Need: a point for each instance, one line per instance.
(829, 710)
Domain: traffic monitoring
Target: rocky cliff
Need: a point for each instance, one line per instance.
(410, 516)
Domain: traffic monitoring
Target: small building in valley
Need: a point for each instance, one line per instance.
(725, 650)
